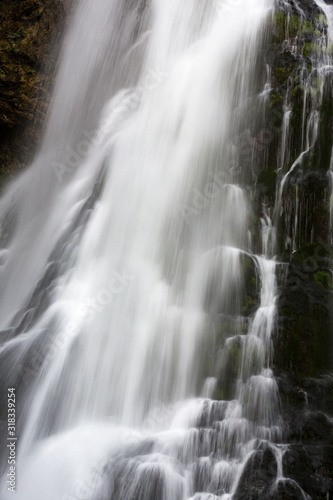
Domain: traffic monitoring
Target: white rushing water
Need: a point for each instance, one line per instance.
(121, 245)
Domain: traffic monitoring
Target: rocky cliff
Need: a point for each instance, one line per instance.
(30, 34)
(299, 113)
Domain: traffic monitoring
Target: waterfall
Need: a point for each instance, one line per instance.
(125, 252)
(314, 86)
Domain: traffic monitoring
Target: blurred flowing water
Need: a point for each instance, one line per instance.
(122, 246)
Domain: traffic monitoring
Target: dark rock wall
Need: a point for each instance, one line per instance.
(302, 204)
(285, 149)
(30, 35)
(303, 340)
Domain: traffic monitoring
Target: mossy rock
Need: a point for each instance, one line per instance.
(305, 252)
(267, 182)
(228, 326)
(288, 26)
(251, 298)
(276, 100)
(281, 74)
(324, 279)
(231, 357)
(29, 32)
(306, 196)
(304, 346)
(279, 26)
(303, 343)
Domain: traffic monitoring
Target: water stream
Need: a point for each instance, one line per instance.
(123, 245)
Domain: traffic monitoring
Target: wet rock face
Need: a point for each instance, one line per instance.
(312, 467)
(307, 409)
(303, 342)
(298, 118)
(290, 171)
(30, 32)
(305, 469)
(306, 200)
(258, 476)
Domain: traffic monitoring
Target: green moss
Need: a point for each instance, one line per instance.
(294, 23)
(306, 27)
(253, 281)
(315, 48)
(249, 304)
(317, 84)
(254, 218)
(20, 33)
(298, 92)
(286, 26)
(219, 394)
(279, 25)
(305, 252)
(328, 49)
(322, 19)
(276, 100)
(324, 279)
(282, 74)
(29, 71)
(310, 48)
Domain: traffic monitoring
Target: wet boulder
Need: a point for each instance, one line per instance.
(258, 476)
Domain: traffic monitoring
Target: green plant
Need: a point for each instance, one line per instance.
(324, 279)
(30, 71)
(276, 100)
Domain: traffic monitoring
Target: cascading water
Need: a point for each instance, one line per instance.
(314, 84)
(122, 248)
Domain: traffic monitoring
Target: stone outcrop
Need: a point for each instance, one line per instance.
(30, 34)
